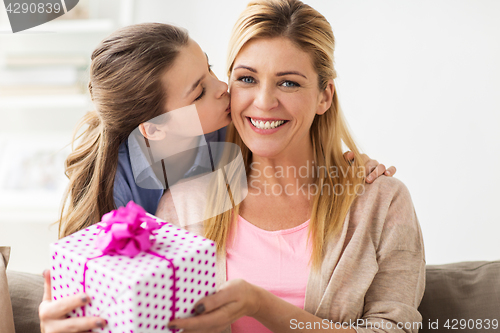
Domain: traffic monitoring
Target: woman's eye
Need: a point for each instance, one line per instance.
(290, 84)
(201, 95)
(246, 79)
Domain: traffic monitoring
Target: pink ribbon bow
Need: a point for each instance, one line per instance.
(123, 233)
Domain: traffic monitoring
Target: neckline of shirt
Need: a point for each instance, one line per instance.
(275, 232)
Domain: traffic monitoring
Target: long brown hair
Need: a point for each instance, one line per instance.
(312, 33)
(126, 90)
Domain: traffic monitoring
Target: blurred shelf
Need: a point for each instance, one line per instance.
(43, 102)
(37, 217)
(68, 26)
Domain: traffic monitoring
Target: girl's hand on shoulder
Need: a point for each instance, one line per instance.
(53, 314)
(235, 299)
(373, 168)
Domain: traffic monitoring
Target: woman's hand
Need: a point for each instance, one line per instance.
(53, 314)
(235, 299)
(373, 168)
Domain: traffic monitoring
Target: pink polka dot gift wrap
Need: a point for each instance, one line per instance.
(140, 272)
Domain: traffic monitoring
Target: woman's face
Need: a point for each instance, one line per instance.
(275, 97)
(190, 81)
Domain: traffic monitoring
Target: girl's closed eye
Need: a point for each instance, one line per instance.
(201, 95)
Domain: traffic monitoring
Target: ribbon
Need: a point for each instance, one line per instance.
(125, 235)
(123, 231)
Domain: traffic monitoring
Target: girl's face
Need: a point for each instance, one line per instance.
(190, 81)
(275, 97)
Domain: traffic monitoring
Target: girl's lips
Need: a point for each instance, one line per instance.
(228, 108)
(265, 131)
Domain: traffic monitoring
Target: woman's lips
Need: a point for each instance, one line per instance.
(266, 130)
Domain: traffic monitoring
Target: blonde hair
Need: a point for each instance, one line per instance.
(311, 32)
(126, 89)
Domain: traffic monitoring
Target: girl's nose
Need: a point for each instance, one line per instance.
(221, 89)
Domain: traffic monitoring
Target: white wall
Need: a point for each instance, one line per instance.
(419, 83)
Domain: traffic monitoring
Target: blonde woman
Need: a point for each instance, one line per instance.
(348, 258)
(137, 73)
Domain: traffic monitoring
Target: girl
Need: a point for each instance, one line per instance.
(137, 74)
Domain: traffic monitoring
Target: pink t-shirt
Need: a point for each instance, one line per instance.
(274, 260)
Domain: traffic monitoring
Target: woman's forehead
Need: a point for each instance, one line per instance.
(278, 54)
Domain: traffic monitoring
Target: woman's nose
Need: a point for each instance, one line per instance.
(265, 98)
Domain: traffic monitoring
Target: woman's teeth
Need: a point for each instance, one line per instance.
(267, 124)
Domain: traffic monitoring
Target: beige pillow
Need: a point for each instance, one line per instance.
(6, 316)
(26, 291)
(464, 295)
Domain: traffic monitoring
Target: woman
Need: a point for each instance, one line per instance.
(137, 74)
(347, 261)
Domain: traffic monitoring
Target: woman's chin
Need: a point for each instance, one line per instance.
(264, 151)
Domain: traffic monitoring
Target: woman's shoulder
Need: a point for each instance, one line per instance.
(384, 202)
(383, 190)
(385, 211)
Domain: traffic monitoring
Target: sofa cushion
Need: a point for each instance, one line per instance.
(465, 290)
(6, 317)
(26, 291)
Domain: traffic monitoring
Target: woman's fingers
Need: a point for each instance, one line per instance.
(217, 310)
(58, 309)
(208, 322)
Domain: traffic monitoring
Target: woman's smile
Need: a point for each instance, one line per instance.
(266, 125)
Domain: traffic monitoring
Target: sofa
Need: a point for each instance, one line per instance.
(463, 297)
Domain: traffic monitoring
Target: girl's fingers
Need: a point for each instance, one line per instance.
(349, 155)
(379, 170)
(391, 171)
(46, 286)
(370, 166)
(79, 324)
(58, 309)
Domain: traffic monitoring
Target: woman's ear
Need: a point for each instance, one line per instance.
(151, 131)
(326, 97)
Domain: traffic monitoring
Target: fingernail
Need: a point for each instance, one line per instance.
(388, 173)
(99, 323)
(84, 298)
(172, 327)
(200, 308)
(368, 179)
(44, 272)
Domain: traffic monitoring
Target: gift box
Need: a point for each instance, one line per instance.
(140, 272)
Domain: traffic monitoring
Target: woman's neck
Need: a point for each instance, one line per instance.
(292, 169)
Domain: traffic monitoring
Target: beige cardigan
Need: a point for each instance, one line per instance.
(374, 269)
